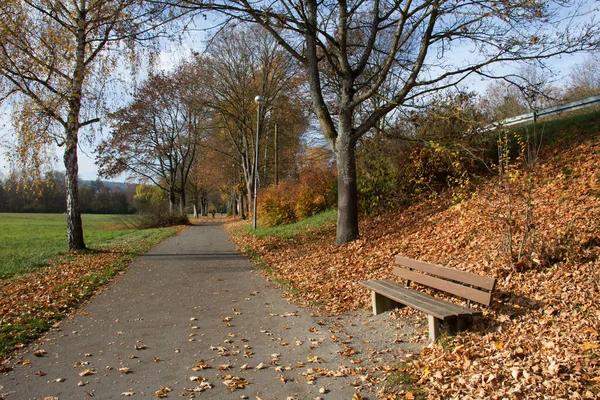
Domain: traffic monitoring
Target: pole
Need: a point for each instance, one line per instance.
(276, 157)
(256, 163)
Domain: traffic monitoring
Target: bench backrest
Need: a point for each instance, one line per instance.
(459, 283)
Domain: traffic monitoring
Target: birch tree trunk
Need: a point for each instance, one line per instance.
(74, 225)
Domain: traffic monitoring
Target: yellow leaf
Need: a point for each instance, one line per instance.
(498, 345)
(589, 346)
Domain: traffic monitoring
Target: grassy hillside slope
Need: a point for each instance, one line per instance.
(539, 339)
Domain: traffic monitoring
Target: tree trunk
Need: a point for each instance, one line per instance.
(347, 218)
(182, 202)
(195, 210)
(234, 210)
(74, 225)
(241, 204)
(204, 207)
(171, 198)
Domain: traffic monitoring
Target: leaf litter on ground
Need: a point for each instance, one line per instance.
(540, 337)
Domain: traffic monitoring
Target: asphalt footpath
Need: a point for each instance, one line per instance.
(190, 318)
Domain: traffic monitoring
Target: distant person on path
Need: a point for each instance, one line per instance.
(212, 212)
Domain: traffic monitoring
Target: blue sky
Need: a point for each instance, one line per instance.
(168, 58)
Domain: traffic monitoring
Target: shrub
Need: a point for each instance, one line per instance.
(315, 191)
(277, 205)
(157, 219)
(376, 169)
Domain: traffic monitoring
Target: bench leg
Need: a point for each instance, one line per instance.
(434, 328)
(449, 326)
(381, 303)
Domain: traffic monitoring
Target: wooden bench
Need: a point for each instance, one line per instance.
(387, 294)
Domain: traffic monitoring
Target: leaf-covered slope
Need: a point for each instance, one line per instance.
(539, 339)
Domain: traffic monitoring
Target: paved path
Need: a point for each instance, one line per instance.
(190, 302)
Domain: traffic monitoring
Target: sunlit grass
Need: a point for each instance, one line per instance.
(29, 241)
(298, 228)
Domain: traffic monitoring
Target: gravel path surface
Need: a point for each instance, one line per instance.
(192, 318)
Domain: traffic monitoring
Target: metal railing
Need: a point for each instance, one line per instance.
(571, 106)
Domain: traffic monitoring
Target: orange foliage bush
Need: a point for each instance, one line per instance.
(277, 204)
(315, 191)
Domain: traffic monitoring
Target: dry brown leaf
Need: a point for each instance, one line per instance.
(87, 372)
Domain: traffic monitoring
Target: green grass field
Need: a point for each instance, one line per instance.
(28, 241)
(298, 228)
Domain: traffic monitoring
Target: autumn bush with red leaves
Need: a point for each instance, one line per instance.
(540, 337)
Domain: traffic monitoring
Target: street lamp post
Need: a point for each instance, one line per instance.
(258, 100)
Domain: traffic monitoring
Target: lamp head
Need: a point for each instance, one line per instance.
(259, 99)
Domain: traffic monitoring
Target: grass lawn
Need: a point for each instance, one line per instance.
(28, 241)
(301, 227)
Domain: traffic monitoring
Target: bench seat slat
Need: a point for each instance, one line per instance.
(466, 292)
(445, 308)
(455, 309)
(402, 297)
(468, 278)
(418, 300)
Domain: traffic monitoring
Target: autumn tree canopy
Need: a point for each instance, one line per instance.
(157, 136)
(55, 56)
(243, 62)
(400, 52)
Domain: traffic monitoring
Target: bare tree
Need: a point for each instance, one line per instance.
(585, 78)
(356, 50)
(51, 52)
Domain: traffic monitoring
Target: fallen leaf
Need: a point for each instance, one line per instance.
(199, 365)
(224, 367)
(235, 383)
(162, 392)
(589, 346)
(87, 372)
